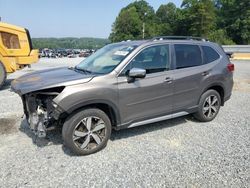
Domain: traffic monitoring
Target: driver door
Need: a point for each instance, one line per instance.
(148, 97)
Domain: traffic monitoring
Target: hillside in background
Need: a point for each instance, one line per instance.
(69, 43)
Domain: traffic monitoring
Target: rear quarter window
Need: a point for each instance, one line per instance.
(209, 54)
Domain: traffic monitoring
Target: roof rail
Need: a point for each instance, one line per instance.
(179, 38)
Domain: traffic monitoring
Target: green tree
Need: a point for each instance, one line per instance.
(129, 23)
(127, 26)
(147, 16)
(143, 7)
(199, 16)
(167, 19)
(220, 36)
(234, 17)
(222, 21)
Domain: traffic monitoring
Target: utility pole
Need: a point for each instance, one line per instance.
(143, 26)
(143, 30)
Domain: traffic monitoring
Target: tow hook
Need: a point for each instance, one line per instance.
(41, 130)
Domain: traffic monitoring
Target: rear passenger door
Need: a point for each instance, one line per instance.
(187, 76)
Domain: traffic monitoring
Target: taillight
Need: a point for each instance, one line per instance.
(230, 67)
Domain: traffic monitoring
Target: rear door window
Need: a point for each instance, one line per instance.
(187, 55)
(209, 54)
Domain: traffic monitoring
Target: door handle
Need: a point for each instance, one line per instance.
(205, 73)
(168, 80)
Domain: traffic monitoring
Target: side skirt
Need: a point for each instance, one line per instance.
(152, 120)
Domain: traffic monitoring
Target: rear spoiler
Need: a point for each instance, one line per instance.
(229, 54)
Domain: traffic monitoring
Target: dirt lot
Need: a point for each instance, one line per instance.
(176, 153)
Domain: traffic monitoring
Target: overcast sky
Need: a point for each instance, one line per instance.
(67, 18)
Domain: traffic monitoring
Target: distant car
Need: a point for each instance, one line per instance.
(72, 56)
(52, 55)
(125, 85)
(84, 54)
(64, 53)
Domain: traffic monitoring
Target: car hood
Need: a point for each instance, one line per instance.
(50, 78)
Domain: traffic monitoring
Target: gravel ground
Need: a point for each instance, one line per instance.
(175, 153)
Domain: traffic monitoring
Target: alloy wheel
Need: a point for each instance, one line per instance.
(211, 106)
(89, 133)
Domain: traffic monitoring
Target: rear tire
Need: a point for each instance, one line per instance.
(87, 131)
(209, 106)
(3, 75)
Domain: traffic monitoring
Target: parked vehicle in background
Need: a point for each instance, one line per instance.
(59, 53)
(85, 54)
(72, 56)
(127, 84)
(15, 50)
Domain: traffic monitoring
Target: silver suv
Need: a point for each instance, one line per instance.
(124, 85)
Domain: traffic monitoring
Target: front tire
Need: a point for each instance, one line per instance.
(209, 106)
(3, 75)
(87, 131)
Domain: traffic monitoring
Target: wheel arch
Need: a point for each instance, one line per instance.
(217, 87)
(106, 106)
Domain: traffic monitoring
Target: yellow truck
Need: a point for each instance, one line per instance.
(15, 50)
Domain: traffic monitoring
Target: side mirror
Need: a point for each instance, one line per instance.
(137, 73)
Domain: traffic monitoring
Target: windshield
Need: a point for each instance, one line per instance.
(105, 59)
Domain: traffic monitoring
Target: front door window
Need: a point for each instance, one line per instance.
(153, 59)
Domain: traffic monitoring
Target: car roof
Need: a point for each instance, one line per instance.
(160, 41)
(132, 42)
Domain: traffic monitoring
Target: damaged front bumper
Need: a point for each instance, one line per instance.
(41, 112)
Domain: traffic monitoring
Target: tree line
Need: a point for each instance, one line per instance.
(221, 21)
(69, 43)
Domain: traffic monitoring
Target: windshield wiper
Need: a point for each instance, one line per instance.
(82, 70)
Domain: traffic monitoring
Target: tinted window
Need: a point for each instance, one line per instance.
(10, 41)
(209, 54)
(187, 55)
(153, 59)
